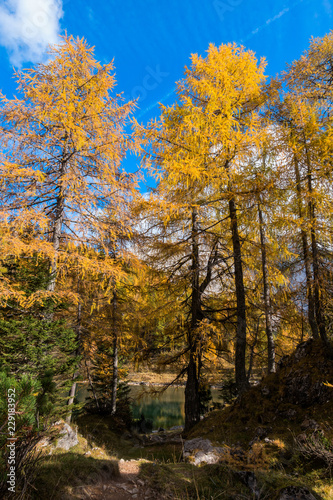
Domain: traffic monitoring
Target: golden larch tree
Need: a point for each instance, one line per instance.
(62, 145)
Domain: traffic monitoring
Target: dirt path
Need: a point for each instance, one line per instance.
(127, 486)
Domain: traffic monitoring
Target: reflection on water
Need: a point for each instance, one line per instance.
(165, 410)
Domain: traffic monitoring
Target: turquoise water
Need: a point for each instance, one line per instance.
(165, 410)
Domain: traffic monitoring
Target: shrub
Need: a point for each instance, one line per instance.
(23, 393)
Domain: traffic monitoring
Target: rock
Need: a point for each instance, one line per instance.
(208, 458)
(198, 444)
(295, 493)
(200, 450)
(44, 442)
(177, 428)
(68, 438)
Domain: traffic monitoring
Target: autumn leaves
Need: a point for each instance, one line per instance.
(235, 237)
(62, 147)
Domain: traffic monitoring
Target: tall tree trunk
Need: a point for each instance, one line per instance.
(319, 310)
(317, 286)
(240, 357)
(192, 400)
(77, 353)
(115, 353)
(252, 347)
(71, 397)
(267, 301)
(91, 384)
(56, 235)
(57, 224)
(306, 257)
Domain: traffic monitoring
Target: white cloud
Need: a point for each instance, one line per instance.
(27, 27)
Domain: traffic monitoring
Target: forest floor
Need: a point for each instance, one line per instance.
(280, 433)
(112, 471)
(126, 486)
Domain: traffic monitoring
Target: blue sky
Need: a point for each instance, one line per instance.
(151, 40)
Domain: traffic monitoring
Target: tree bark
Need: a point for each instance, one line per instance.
(267, 301)
(77, 352)
(306, 257)
(319, 310)
(71, 398)
(192, 399)
(240, 357)
(57, 224)
(91, 384)
(192, 402)
(56, 240)
(115, 354)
